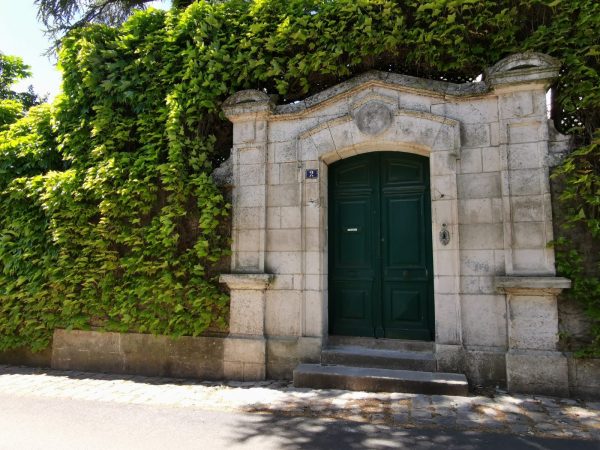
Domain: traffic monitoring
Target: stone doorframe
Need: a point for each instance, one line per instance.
(487, 143)
(424, 134)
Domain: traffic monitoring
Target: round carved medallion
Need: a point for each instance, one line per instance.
(373, 118)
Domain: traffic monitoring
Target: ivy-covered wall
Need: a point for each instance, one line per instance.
(108, 215)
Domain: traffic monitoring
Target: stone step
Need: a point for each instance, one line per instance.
(381, 344)
(382, 359)
(319, 376)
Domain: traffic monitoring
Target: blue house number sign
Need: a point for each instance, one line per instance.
(312, 173)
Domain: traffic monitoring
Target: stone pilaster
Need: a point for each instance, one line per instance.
(533, 364)
(249, 111)
(245, 348)
(521, 82)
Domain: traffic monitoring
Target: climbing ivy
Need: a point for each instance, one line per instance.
(579, 241)
(109, 217)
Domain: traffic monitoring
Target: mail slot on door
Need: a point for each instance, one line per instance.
(352, 230)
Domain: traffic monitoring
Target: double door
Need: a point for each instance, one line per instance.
(380, 251)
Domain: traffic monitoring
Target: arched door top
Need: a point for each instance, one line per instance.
(388, 130)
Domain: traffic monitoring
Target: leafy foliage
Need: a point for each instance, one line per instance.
(12, 69)
(14, 104)
(577, 247)
(110, 218)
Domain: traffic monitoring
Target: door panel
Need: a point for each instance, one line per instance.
(353, 254)
(401, 172)
(354, 236)
(402, 231)
(353, 309)
(380, 247)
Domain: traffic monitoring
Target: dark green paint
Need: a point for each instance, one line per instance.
(380, 252)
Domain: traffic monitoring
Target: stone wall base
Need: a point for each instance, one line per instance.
(537, 372)
(251, 359)
(482, 366)
(485, 367)
(245, 358)
(140, 354)
(284, 354)
(25, 357)
(584, 378)
(450, 358)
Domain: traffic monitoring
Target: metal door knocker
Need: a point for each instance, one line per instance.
(444, 235)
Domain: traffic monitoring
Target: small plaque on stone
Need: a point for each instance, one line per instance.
(312, 173)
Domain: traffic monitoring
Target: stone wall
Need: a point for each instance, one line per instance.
(584, 381)
(202, 358)
(141, 354)
(25, 357)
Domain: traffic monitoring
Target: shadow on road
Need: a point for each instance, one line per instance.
(317, 433)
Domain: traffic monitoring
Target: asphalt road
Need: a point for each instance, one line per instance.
(28, 422)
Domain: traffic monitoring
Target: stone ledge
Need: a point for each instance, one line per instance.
(531, 285)
(246, 281)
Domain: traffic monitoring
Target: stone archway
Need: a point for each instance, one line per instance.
(416, 132)
(487, 145)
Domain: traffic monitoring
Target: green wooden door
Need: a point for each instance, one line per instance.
(380, 253)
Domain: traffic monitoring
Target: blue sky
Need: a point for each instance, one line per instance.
(21, 35)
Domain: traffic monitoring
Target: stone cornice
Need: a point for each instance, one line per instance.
(531, 285)
(246, 281)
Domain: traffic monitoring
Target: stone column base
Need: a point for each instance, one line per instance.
(449, 357)
(244, 358)
(537, 372)
(245, 350)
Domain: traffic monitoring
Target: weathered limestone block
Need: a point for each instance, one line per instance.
(470, 160)
(284, 262)
(485, 367)
(25, 357)
(448, 329)
(283, 313)
(533, 365)
(244, 353)
(450, 357)
(315, 307)
(484, 320)
(537, 372)
(284, 354)
(482, 236)
(475, 135)
(481, 185)
(584, 381)
(476, 112)
(143, 354)
(244, 358)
